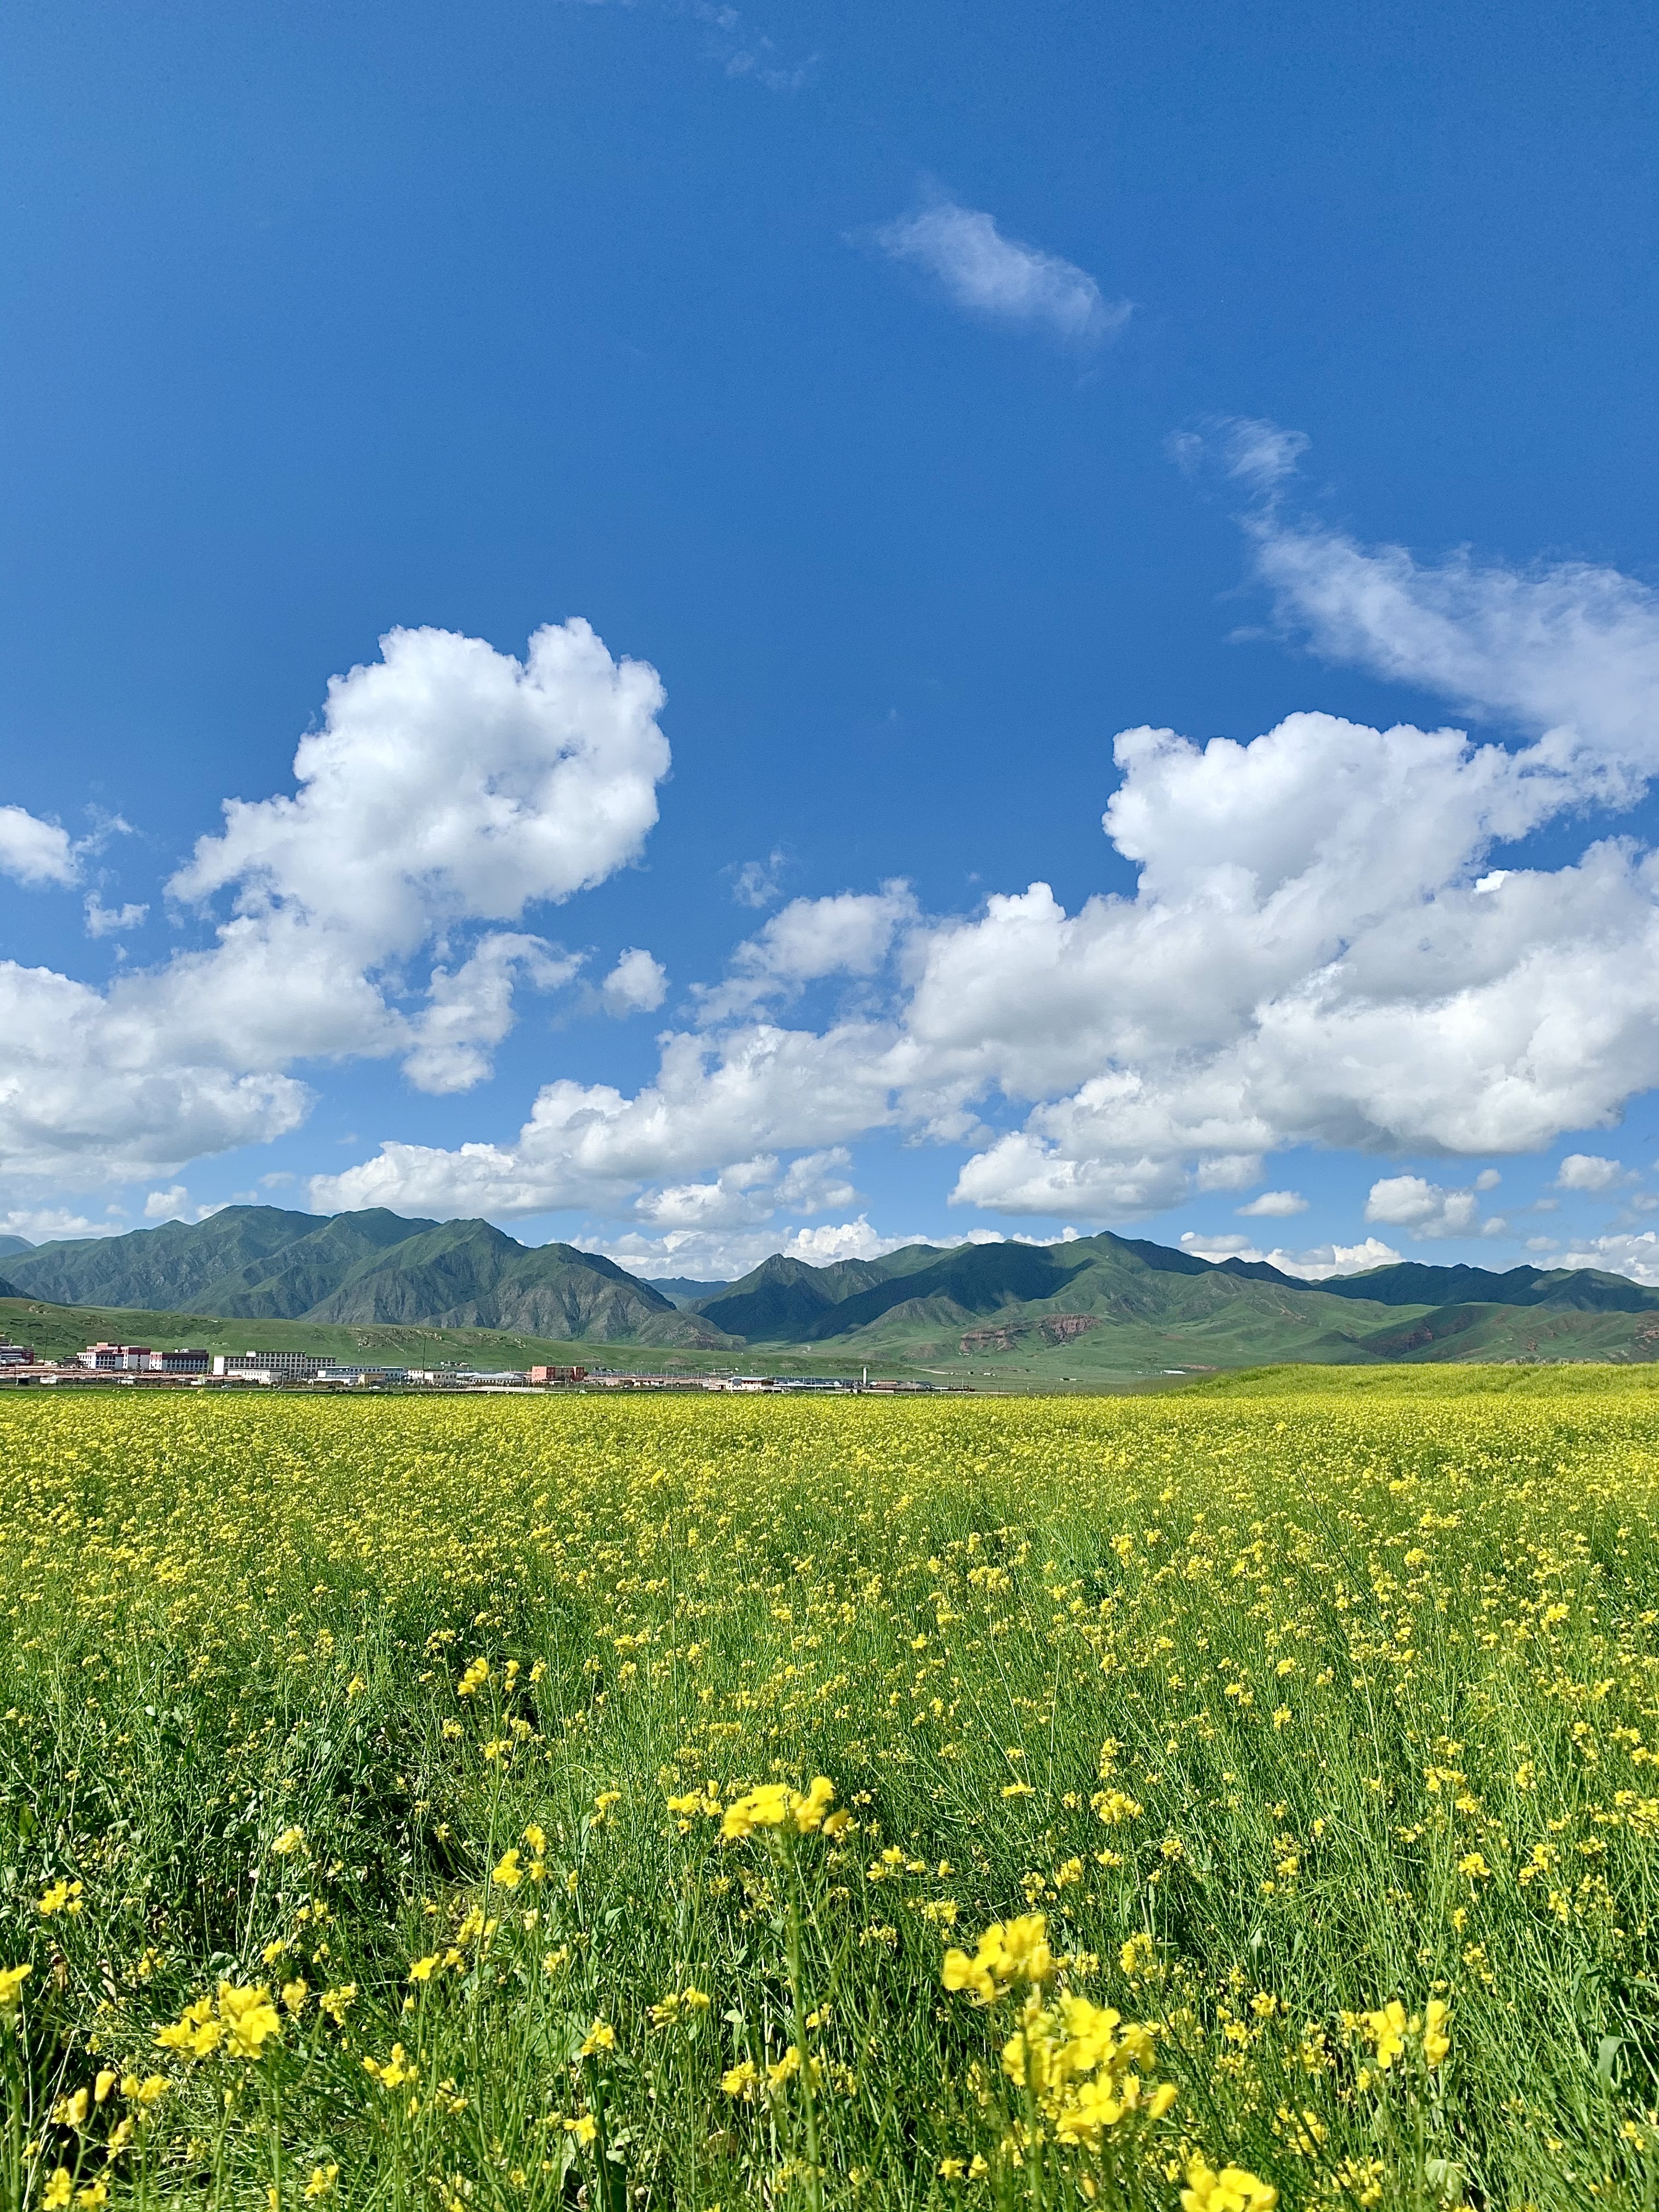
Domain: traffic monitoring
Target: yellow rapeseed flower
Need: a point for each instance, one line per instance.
(1234, 2189)
(776, 1806)
(1008, 1953)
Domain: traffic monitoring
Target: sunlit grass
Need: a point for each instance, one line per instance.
(413, 1804)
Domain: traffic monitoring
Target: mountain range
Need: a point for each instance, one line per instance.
(1089, 1308)
(263, 1263)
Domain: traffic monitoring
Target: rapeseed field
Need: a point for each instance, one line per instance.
(1213, 1801)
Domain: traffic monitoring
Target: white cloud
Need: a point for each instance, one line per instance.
(449, 784)
(108, 921)
(1568, 650)
(1409, 1201)
(999, 277)
(724, 1256)
(1589, 1171)
(169, 1205)
(1276, 1205)
(34, 852)
(589, 1145)
(44, 1224)
(757, 882)
(470, 1011)
(1316, 1264)
(1632, 1253)
(751, 1192)
(1257, 454)
(636, 985)
(1317, 950)
(1306, 959)
(809, 940)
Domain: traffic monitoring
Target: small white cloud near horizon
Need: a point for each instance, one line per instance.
(704, 1255)
(1316, 1264)
(1632, 1253)
(1591, 1171)
(168, 1204)
(1000, 277)
(1275, 1206)
(44, 1224)
(636, 985)
(1429, 1211)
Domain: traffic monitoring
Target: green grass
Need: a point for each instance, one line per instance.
(1315, 1692)
(58, 1332)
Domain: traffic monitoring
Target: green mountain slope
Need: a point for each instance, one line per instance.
(254, 1263)
(1408, 1282)
(684, 1290)
(1102, 1308)
(466, 1274)
(168, 1265)
(9, 1244)
(1106, 1307)
(296, 1278)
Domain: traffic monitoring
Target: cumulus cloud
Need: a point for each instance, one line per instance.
(1276, 1205)
(1589, 1171)
(636, 985)
(468, 1010)
(1316, 952)
(809, 940)
(1316, 1264)
(1319, 948)
(109, 920)
(1428, 1210)
(723, 1257)
(34, 852)
(753, 1191)
(44, 1224)
(999, 277)
(760, 1088)
(450, 781)
(448, 785)
(1635, 1253)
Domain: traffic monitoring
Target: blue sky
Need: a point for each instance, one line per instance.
(927, 396)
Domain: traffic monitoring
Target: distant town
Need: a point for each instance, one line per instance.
(191, 1367)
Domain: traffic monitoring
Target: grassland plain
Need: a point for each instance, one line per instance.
(415, 1803)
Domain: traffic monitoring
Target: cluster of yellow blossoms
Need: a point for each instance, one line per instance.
(235, 2022)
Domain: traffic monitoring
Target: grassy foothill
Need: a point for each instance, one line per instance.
(1216, 1799)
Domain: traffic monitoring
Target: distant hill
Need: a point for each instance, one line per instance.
(1586, 1289)
(264, 1263)
(1108, 1305)
(10, 1244)
(1097, 1308)
(684, 1290)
